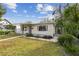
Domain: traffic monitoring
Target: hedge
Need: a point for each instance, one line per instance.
(66, 40)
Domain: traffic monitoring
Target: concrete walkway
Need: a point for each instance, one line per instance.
(50, 40)
(9, 38)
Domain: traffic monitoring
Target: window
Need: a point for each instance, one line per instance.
(42, 28)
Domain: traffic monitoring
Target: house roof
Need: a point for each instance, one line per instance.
(33, 23)
(5, 22)
(42, 23)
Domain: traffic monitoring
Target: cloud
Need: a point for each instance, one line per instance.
(39, 7)
(48, 16)
(27, 15)
(49, 8)
(55, 16)
(25, 11)
(14, 11)
(41, 17)
(43, 12)
(19, 15)
(11, 5)
(45, 7)
(33, 16)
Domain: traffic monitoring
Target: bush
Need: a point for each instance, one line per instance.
(37, 36)
(11, 27)
(66, 40)
(72, 50)
(29, 35)
(4, 32)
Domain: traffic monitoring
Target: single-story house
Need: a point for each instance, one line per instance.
(37, 29)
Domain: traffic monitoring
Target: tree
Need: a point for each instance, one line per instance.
(69, 21)
(70, 25)
(72, 13)
(59, 21)
(11, 27)
(2, 10)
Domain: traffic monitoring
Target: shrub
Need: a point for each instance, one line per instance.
(11, 27)
(37, 36)
(12, 33)
(29, 35)
(4, 32)
(66, 40)
(72, 50)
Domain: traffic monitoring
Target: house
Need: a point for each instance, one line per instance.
(3, 24)
(37, 29)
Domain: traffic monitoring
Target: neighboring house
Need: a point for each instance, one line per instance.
(3, 24)
(37, 29)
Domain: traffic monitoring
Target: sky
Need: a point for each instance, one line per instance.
(24, 12)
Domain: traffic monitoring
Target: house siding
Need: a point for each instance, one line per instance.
(50, 31)
(27, 31)
(18, 29)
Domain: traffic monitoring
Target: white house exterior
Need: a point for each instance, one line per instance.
(38, 29)
(49, 29)
(18, 28)
(3, 24)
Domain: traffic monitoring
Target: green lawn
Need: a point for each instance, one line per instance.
(28, 47)
(8, 36)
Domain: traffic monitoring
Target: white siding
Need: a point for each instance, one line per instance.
(27, 31)
(18, 29)
(50, 31)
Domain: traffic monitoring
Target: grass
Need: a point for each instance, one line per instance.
(28, 47)
(7, 35)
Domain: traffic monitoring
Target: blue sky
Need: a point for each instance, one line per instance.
(23, 12)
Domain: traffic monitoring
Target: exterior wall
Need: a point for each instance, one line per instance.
(50, 31)
(26, 31)
(3, 24)
(18, 29)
